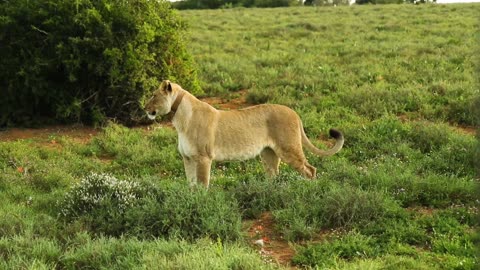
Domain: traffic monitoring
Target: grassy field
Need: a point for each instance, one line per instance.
(398, 80)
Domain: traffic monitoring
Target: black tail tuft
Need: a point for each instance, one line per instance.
(335, 133)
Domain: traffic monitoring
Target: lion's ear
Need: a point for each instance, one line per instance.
(168, 87)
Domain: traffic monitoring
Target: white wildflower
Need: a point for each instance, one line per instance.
(95, 190)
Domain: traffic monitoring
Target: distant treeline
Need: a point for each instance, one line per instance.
(213, 4)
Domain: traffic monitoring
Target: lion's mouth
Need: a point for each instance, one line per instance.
(152, 115)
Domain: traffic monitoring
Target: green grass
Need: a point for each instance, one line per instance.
(397, 80)
(362, 61)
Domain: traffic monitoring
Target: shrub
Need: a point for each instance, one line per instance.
(175, 210)
(313, 206)
(254, 195)
(113, 207)
(96, 191)
(84, 60)
(349, 206)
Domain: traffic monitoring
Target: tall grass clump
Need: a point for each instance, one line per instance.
(109, 206)
(97, 191)
(256, 194)
(348, 247)
(313, 207)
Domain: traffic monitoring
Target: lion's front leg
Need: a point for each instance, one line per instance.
(203, 166)
(190, 170)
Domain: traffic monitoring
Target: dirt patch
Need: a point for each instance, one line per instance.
(466, 130)
(422, 211)
(270, 245)
(79, 133)
(235, 101)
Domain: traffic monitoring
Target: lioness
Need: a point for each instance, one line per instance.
(274, 132)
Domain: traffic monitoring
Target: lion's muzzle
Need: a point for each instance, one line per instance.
(152, 115)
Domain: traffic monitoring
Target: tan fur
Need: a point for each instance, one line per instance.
(274, 132)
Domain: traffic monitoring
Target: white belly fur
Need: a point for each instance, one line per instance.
(246, 152)
(242, 148)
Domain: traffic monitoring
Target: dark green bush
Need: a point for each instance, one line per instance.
(360, 2)
(275, 3)
(83, 60)
(213, 4)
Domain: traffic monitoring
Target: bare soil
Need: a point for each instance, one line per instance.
(225, 103)
(269, 243)
(79, 133)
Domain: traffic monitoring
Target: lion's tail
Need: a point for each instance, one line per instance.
(338, 145)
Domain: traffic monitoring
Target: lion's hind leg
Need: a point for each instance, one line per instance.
(270, 161)
(296, 158)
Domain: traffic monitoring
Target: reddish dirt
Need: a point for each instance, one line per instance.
(275, 248)
(423, 211)
(48, 134)
(467, 130)
(238, 102)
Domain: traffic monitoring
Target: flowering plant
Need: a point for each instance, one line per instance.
(98, 190)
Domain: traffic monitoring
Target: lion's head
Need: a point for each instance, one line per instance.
(161, 101)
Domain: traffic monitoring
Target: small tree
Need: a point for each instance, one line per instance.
(84, 60)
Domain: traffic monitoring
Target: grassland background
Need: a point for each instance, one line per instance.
(398, 80)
